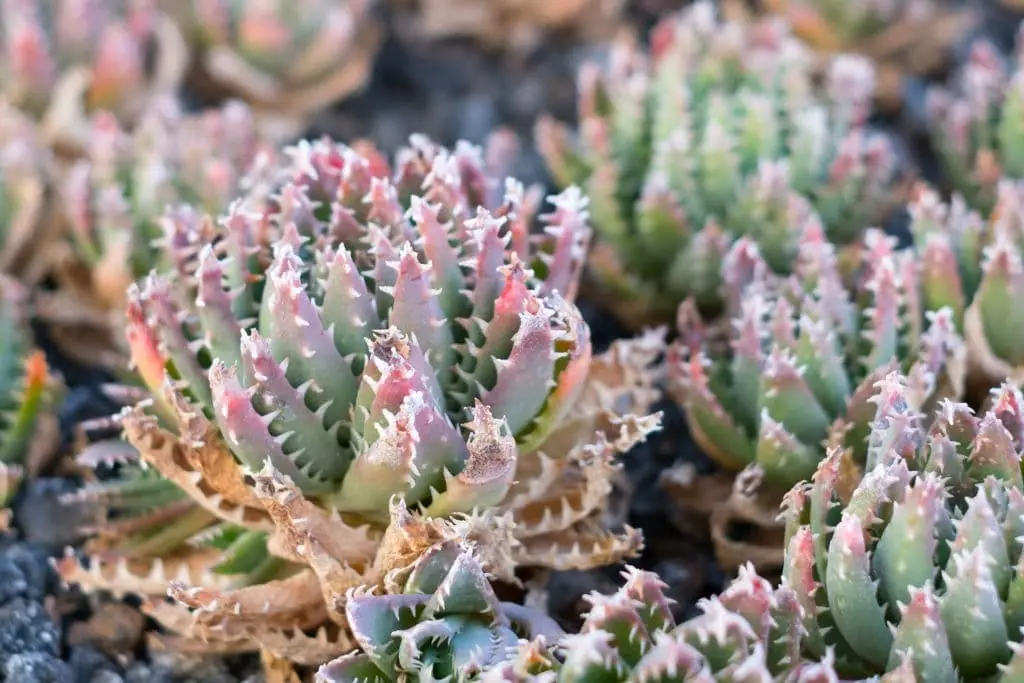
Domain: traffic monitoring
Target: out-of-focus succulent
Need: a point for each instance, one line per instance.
(63, 58)
(444, 622)
(508, 24)
(28, 395)
(976, 123)
(286, 58)
(919, 560)
(801, 364)
(973, 266)
(26, 216)
(713, 134)
(407, 337)
(901, 36)
(115, 198)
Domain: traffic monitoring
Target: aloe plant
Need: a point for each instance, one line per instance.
(406, 338)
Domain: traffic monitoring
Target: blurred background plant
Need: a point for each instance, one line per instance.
(713, 133)
(513, 25)
(112, 205)
(64, 59)
(902, 37)
(976, 123)
(286, 58)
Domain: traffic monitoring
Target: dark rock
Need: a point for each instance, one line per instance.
(114, 628)
(148, 673)
(566, 591)
(25, 572)
(190, 669)
(104, 676)
(26, 627)
(89, 664)
(37, 667)
(43, 519)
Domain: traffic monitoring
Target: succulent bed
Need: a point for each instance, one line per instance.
(431, 340)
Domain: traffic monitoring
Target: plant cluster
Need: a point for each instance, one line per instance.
(714, 133)
(796, 371)
(362, 400)
(64, 59)
(114, 200)
(975, 124)
(903, 38)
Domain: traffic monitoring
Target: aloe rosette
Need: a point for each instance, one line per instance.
(713, 134)
(66, 58)
(287, 59)
(443, 620)
(975, 124)
(892, 566)
(799, 368)
(406, 337)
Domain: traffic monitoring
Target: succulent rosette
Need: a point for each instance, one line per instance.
(914, 565)
(799, 368)
(356, 335)
(441, 619)
(975, 124)
(713, 134)
(287, 59)
(114, 199)
(65, 58)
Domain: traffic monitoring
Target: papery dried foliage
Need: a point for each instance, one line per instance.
(801, 365)
(66, 58)
(715, 133)
(287, 58)
(113, 201)
(914, 567)
(347, 334)
(976, 123)
(508, 24)
(902, 37)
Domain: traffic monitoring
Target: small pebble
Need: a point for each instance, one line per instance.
(37, 667)
(25, 627)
